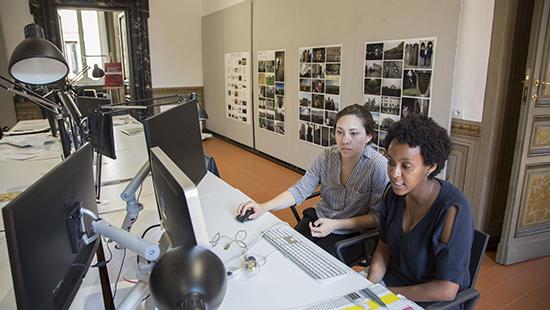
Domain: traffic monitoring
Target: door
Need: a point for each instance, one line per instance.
(526, 228)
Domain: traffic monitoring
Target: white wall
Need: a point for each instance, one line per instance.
(472, 58)
(175, 42)
(14, 16)
(211, 6)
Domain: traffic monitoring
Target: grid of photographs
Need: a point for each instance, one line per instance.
(397, 80)
(319, 93)
(237, 87)
(271, 91)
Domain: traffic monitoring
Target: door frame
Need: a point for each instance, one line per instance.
(137, 14)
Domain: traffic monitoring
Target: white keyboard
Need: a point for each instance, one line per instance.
(289, 242)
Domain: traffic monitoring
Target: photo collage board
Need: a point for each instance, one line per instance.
(319, 93)
(271, 91)
(397, 80)
(237, 86)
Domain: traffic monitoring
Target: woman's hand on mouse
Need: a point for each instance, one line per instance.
(323, 227)
(251, 205)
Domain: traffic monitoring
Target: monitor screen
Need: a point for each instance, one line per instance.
(47, 261)
(177, 132)
(88, 106)
(178, 202)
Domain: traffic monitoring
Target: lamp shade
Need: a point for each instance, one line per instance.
(97, 72)
(37, 61)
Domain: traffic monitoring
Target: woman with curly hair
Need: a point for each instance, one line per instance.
(426, 227)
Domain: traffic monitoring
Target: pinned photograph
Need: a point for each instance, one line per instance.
(280, 115)
(305, 70)
(391, 87)
(414, 106)
(270, 104)
(305, 114)
(270, 79)
(410, 56)
(330, 118)
(279, 102)
(305, 55)
(423, 82)
(270, 125)
(318, 86)
(373, 69)
(262, 92)
(325, 136)
(280, 89)
(425, 53)
(261, 78)
(390, 105)
(261, 104)
(319, 54)
(317, 134)
(409, 83)
(261, 66)
(280, 66)
(318, 71)
(305, 85)
(318, 101)
(372, 102)
(372, 86)
(393, 50)
(302, 131)
(375, 51)
(309, 133)
(270, 115)
(262, 114)
(334, 54)
(305, 99)
(387, 121)
(263, 123)
(318, 116)
(280, 128)
(270, 92)
(332, 87)
(332, 102)
(332, 71)
(393, 69)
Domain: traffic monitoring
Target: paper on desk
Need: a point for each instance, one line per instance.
(29, 126)
(28, 140)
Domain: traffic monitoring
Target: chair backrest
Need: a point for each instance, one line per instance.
(478, 252)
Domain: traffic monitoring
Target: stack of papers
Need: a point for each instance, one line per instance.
(29, 126)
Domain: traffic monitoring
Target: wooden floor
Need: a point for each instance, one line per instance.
(521, 286)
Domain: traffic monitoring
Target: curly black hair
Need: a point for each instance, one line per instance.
(363, 113)
(424, 132)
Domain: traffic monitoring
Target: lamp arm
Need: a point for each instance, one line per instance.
(37, 100)
(133, 207)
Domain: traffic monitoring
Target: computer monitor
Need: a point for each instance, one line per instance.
(176, 131)
(48, 259)
(177, 202)
(89, 106)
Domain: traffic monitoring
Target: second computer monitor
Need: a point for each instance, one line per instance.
(100, 125)
(177, 132)
(48, 257)
(178, 202)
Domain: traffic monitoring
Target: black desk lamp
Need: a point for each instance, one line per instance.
(36, 60)
(188, 278)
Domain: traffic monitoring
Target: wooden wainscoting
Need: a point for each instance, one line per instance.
(464, 160)
(184, 90)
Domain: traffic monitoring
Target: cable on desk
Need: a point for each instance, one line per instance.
(103, 263)
(119, 272)
(238, 239)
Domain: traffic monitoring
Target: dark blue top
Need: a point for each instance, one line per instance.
(418, 256)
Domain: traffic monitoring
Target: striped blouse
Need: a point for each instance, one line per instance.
(360, 195)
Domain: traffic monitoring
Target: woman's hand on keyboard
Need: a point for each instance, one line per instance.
(251, 205)
(322, 227)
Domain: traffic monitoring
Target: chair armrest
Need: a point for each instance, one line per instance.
(460, 299)
(293, 207)
(353, 240)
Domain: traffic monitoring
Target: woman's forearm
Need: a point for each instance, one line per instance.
(357, 222)
(379, 262)
(281, 201)
(438, 290)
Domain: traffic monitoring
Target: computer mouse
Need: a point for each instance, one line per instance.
(244, 217)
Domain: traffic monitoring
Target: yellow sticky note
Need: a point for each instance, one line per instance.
(373, 305)
(354, 308)
(388, 299)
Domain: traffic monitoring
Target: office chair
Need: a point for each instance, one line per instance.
(469, 297)
(211, 165)
(369, 238)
